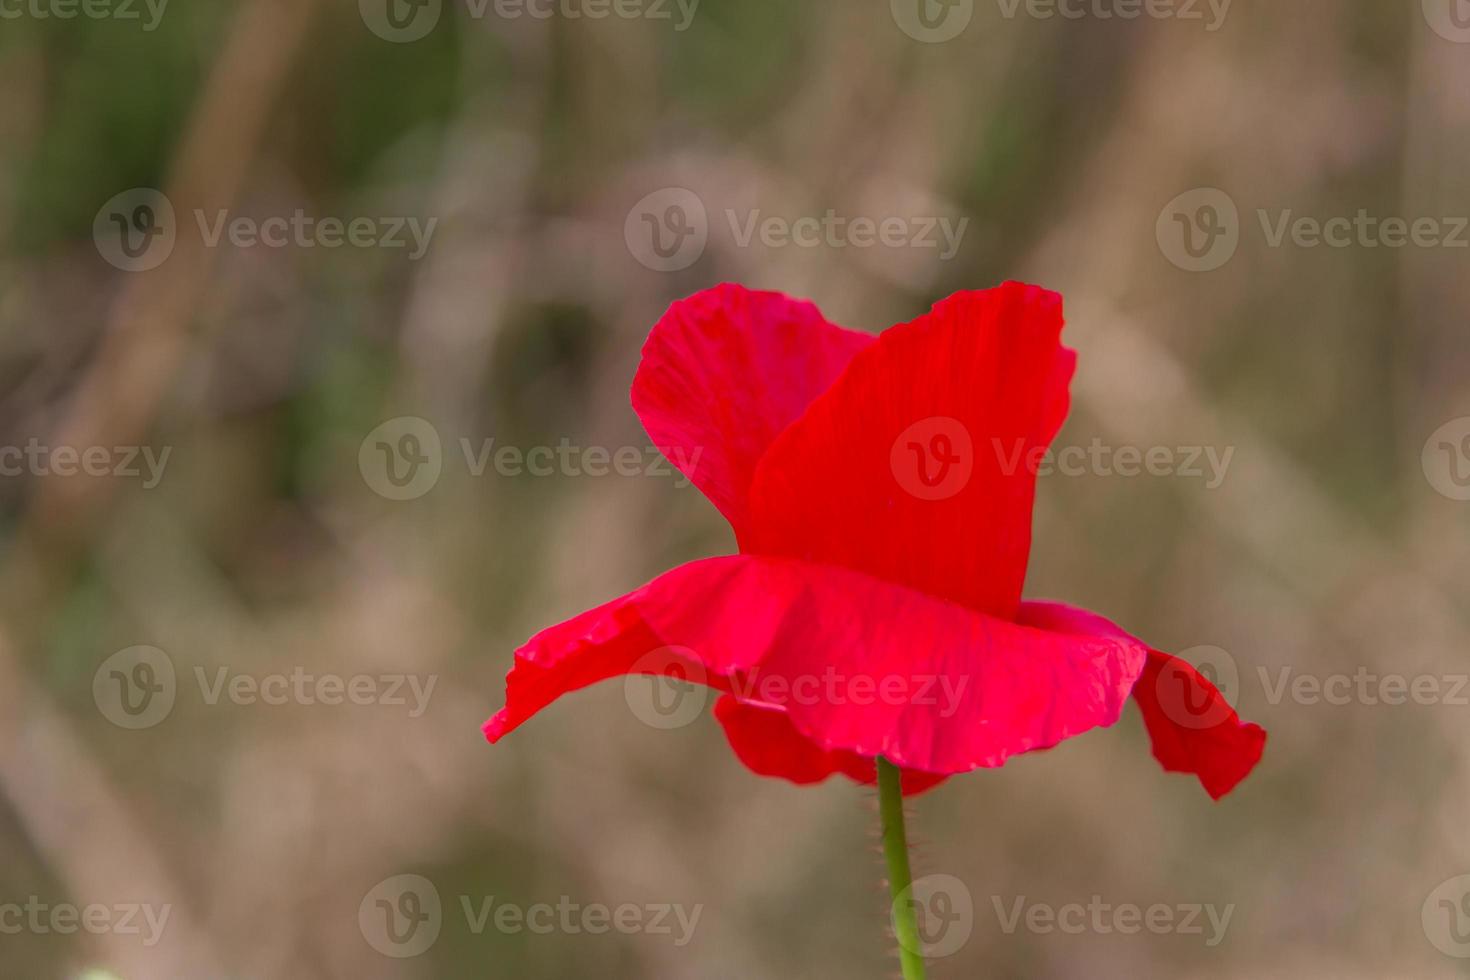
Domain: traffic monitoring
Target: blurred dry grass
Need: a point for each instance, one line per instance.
(264, 550)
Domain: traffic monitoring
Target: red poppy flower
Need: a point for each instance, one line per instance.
(880, 492)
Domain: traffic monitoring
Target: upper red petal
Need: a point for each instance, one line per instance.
(857, 664)
(723, 372)
(917, 466)
(1192, 726)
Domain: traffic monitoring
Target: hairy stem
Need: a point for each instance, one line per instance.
(900, 878)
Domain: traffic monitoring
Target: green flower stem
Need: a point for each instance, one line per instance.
(900, 878)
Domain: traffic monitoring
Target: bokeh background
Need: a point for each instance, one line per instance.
(1335, 545)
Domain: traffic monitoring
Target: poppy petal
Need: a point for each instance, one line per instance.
(1191, 725)
(723, 372)
(856, 663)
(918, 465)
(769, 745)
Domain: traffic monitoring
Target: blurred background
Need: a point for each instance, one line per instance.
(279, 279)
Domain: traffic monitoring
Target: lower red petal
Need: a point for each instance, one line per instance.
(1192, 726)
(769, 745)
(857, 665)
